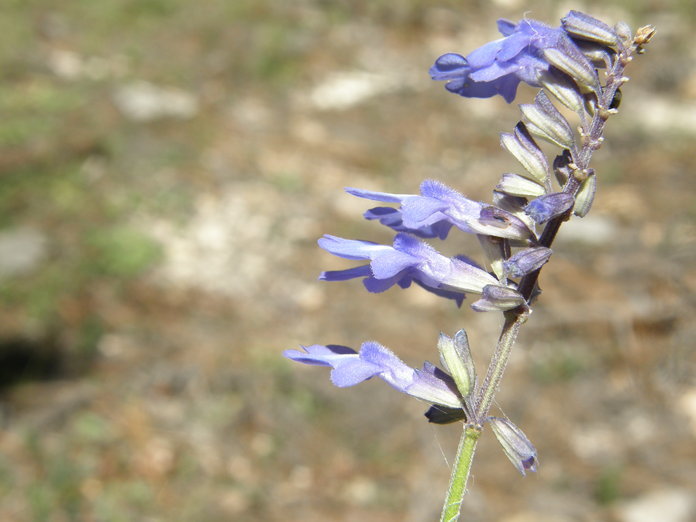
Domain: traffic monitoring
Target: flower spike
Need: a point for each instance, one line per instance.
(580, 64)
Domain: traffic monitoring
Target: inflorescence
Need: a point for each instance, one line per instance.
(577, 66)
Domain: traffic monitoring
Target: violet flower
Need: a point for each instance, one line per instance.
(438, 208)
(408, 260)
(430, 383)
(499, 66)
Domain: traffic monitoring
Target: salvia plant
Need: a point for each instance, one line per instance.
(578, 68)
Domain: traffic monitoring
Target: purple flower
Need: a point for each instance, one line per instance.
(499, 66)
(430, 383)
(437, 209)
(408, 260)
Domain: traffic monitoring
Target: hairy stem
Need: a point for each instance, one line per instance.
(467, 444)
(460, 473)
(514, 320)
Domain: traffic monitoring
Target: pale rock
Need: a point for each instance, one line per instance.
(665, 505)
(21, 251)
(144, 101)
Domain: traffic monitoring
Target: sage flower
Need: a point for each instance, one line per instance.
(438, 208)
(408, 260)
(498, 67)
(430, 383)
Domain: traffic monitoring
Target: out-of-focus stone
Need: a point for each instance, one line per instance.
(591, 230)
(144, 101)
(21, 251)
(665, 505)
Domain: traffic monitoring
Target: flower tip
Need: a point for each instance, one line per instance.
(290, 354)
(448, 63)
(530, 464)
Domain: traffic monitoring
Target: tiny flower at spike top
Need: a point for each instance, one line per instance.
(578, 66)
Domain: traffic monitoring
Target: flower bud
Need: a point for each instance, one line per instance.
(526, 261)
(643, 36)
(584, 199)
(516, 445)
(502, 219)
(515, 206)
(494, 248)
(563, 89)
(586, 27)
(516, 185)
(456, 357)
(498, 299)
(521, 145)
(544, 120)
(599, 55)
(569, 59)
(546, 207)
(623, 31)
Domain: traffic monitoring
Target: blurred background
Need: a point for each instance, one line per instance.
(165, 170)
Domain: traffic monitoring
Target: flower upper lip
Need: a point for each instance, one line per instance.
(499, 66)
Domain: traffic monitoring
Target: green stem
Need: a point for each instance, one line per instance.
(514, 319)
(460, 473)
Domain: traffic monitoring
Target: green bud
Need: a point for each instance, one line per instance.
(584, 199)
(456, 357)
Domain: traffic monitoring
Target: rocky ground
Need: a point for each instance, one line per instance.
(165, 170)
